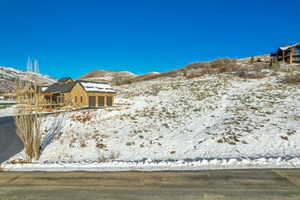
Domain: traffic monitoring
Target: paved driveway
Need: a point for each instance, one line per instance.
(181, 185)
(10, 143)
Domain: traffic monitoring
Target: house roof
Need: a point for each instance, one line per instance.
(289, 46)
(97, 87)
(90, 87)
(60, 87)
(64, 79)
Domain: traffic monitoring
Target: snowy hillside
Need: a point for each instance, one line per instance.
(8, 76)
(107, 76)
(211, 121)
(117, 77)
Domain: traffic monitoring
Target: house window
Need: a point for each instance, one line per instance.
(81, 99)
(75, 99)
(297, 51)
(60, 99)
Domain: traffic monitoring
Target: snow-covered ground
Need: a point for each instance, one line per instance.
(8, 111)
(209, 122)
(7, 102)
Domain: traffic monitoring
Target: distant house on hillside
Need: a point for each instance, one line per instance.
(80, 93)
(65, 80)
(288, 54)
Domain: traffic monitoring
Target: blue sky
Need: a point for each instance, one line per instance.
(73, 37)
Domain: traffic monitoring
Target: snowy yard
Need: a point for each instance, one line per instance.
(215, 121)
(7, 110)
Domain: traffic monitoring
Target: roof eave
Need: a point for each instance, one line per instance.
(101, 92)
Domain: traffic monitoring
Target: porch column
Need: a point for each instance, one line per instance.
(291, 55)
(105, 100)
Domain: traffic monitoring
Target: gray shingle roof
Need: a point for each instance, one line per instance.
(60, 87)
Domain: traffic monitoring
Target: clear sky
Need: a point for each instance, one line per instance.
(73, 37)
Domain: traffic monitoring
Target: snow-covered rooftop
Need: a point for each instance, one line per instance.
(288, 46)
(97, 87)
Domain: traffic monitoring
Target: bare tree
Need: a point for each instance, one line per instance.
(28, 118)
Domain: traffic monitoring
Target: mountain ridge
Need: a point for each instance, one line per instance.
(9, 76)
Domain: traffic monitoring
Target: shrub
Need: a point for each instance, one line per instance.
(284, 137)
(274, 64)
(85, 117)
(292, 79)
(224, 65)
(130, 143)
(197, 65)
(101, 146)
(155, 90)
(252, 60)
(291, 132)
(250, 75)
(259, 60)
(213, 67)
(83, 144)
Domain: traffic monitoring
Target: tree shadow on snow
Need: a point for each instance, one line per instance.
(55, 130)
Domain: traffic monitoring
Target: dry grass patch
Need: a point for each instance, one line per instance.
(130, 143)
(72, 141)
(83, 144)
(222, 64)
(84, 117)
(18, 161)
(101, 146)
(226, 65)
(95, 136)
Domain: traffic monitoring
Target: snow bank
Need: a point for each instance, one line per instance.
(149, 165)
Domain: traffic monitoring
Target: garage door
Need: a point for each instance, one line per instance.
(100, 101)
(92, 101)
(109, 101)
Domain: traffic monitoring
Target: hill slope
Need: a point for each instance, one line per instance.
(221, 114)
(241, 122)
(8, 76)
(105, 75)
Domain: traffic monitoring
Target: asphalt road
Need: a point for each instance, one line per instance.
(180, 185)
(10, 143)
